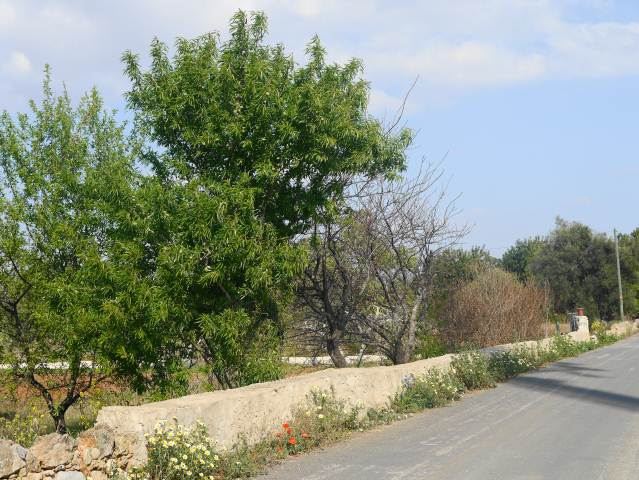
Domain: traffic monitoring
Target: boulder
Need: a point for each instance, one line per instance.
(13, 457)
(52, 451)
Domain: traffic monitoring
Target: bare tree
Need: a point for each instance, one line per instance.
(370, 269)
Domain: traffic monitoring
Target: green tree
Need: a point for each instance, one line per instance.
(66, 178)
(244, 111)
(629, 256)
(220, 272)
(517, 259)
(580, 269)
(251, 148)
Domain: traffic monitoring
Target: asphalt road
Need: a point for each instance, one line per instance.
(576, 419)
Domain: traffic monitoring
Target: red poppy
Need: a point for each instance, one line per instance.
(289, 431)
(292, 441)
(285, 426)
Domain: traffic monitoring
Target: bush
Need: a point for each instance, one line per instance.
(492, 309)
(24, 427)
(472, 370)
(322, 420)
(598, 327)
(505, 365)
(434, 389)
(429, 346)
(175, 453)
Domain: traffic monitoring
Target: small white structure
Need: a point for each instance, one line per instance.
(582, 324)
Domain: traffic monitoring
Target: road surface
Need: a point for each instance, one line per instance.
(575, 419)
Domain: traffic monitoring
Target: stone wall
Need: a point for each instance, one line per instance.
(61, 457)
(117, 441)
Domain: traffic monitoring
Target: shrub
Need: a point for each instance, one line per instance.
(435, 389)
(24, 427)
(429, 346)
(176, 453)
(505, 365)
(492, 309)
(598, 327)
(321, 420)
(472, 370)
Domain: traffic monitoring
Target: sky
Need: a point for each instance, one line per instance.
(531, 104)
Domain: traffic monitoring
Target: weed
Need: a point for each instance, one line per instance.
(472, 370)
(435, 389)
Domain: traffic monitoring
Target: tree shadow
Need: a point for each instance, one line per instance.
(576, 368)
(591, 395)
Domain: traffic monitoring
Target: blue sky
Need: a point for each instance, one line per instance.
(534, 103)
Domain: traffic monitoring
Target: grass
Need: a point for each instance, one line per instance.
(324, 419)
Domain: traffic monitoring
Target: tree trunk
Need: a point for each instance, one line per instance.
(60, 423)
(406, 345)
(332, 347)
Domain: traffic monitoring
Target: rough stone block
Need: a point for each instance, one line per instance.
(53, 451)
(98, 475)
(12, 458)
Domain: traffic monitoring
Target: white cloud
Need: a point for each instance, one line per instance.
(596, 50)
(383, 105)
(453, 46)
(18, 63)
(7, 14)
(465, 65)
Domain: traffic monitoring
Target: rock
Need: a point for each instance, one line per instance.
(12, 458)
(97, 475)
(53, 451)
(34, 476)
(131, 445)
(95, 444)
(70, 476)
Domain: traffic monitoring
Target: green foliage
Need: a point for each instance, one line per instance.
(435, 389)
(510, 363)
(452, 269)
(429, 346)
(219, 272)
(629, 255)
(244, 111)
(251, 148)
(175, 453)
(579, 266)
(473, 370)
(598, 327)
(66, 180)
(24, 427)
(518, 258)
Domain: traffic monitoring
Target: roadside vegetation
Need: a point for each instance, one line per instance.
(253, 209)
(176, 452)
